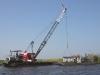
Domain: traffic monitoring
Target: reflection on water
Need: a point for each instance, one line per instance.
(52, 70)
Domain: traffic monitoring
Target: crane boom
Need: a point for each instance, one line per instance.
(50, 32)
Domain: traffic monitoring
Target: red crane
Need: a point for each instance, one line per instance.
(31, 57)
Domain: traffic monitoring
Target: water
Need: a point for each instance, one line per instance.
(52, 70)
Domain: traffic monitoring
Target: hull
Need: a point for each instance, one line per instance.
(20, 64)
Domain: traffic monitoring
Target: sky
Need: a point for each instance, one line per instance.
(22, 20)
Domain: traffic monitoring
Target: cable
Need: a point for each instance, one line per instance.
(41, 33)
(67, 38)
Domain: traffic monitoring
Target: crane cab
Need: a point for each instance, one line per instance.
(28, 57)
(16, 56)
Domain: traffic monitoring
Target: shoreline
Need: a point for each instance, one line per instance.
(57, 61)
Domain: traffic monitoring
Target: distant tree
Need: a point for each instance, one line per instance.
(96, 58)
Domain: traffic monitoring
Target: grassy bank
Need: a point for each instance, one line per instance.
(1, 61)
(49, 60)
(54, 60)
(43, 60)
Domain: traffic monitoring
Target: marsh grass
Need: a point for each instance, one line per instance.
(56, 60)
(50, 60)
(1, 61)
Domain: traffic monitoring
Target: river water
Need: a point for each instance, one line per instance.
(52, 70)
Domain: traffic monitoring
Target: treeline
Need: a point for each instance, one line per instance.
(97, 58)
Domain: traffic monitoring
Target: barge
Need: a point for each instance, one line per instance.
(27, 64)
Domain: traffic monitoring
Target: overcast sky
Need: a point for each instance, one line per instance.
(22, 20)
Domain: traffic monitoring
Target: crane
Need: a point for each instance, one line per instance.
(51, 31)
(31, 57)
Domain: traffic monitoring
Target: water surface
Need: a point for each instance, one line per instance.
(52, 70)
